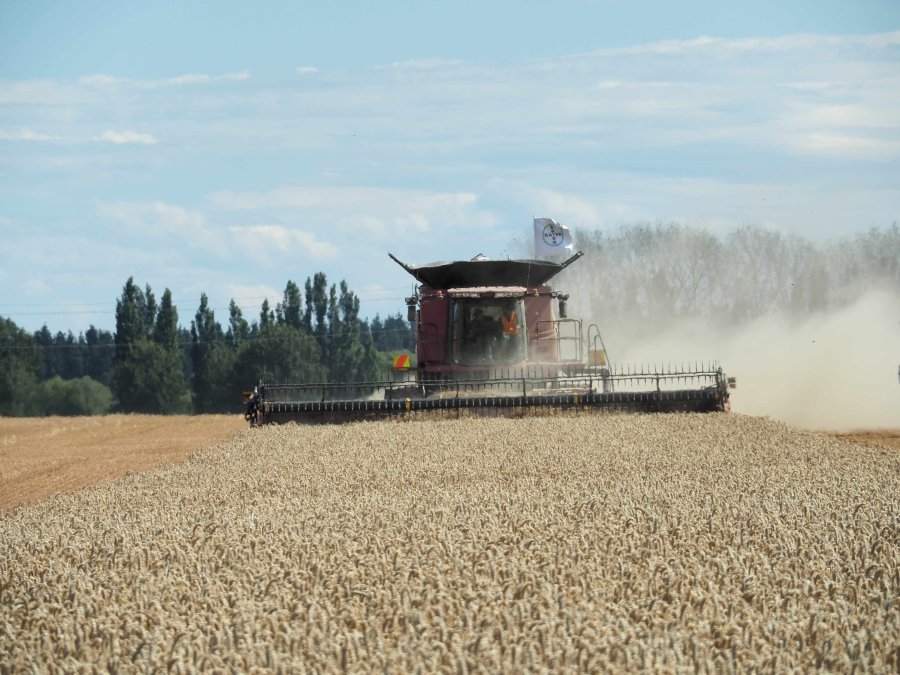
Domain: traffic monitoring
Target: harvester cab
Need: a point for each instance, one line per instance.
(493, 337)
(480, 316)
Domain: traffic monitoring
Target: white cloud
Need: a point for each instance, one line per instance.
(792, 42)
(426, 64)
(823, 86)
(102, 80)
(846, 146)
(306, 70)
(382, 211)
(35, 287)
(862, 127)
(188, 79)
(158, 219)
(261, 241)
(844, 115)
(25, 134)
(123, 137)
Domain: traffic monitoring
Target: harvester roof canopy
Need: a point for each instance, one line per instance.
(486, 272)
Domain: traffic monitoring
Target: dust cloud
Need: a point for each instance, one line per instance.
(836, 371)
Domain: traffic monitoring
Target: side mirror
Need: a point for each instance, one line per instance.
(563, 314)
(410, 309)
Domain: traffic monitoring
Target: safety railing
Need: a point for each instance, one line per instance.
(566, 333)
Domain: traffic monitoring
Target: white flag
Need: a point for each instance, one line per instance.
(552, 240)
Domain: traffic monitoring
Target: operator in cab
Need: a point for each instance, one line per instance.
(509, 330)
(509, 323)
(482, 336)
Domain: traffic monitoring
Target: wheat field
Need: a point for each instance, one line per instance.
(676, 543)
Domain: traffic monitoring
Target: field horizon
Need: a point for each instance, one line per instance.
(43, 456)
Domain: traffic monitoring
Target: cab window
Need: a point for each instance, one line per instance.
(489, 332)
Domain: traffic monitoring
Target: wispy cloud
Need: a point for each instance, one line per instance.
(379, 211)
(35, 287)
(101, 80)
(249, 297)
(306, 70)
(123, 137)
(159, 220)
(261, 241)
(25, 134)
(426, 64)
(187, 79)
(801, 41)
(846, 146)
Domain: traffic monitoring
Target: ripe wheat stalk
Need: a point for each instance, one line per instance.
(665, 543)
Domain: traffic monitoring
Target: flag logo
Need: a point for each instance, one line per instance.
(553, 234)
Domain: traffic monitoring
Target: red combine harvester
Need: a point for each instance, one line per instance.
(493, 337)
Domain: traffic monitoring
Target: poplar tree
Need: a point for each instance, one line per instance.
(147, 375)
(165, 329)
(238, 328)
(291, 306)
(212, 360)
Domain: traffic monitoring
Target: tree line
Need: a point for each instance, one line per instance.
(152, 364)
(634, 281)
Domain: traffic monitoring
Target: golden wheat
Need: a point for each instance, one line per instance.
(669, 543)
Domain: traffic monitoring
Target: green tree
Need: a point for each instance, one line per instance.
(165, 328)
(213, 361)
(71, 355)
(238, 328)
(131, 317)
(397, 334)
(185, 346)
(149, 310)
(99, 354)
(376, 327)
(348, 357)
(150, 380)
(308, 308)
(318, 299)
(43, 339)
(147, 375)
(367, 365)
(79, 396)
(278, 353)
(331, 338)
(20, 365)
(291, 306)
(266, 315)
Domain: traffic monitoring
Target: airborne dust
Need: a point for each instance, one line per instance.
(835, 371)
(810, 330)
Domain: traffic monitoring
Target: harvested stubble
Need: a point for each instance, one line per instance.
(667, 543)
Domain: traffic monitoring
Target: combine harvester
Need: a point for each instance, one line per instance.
(492, 337)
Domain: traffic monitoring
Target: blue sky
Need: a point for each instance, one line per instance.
(219, 147)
